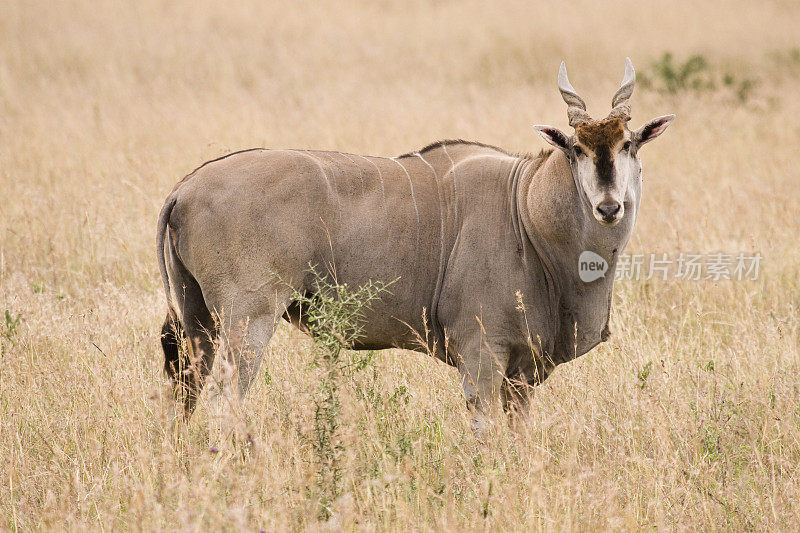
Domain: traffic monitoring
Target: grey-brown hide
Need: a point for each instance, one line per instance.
(463, 228)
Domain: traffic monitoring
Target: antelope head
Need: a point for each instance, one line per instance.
(604, 154)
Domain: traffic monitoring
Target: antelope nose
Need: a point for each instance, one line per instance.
(609, 210)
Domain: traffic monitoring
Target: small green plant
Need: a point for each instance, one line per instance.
(790, 59)
(710, 441)
(11, 326)
(644, 373)
(674, 76)
(744, 89)
(715, 422)
(387, 408)
(334, 314)
(485, 506)
(38, 287)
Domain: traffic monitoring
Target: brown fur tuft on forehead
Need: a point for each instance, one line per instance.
(597, 133)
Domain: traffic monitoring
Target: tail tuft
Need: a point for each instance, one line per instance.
(171, 334)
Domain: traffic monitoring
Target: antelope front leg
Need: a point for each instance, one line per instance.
(482, 374)
(517, 395)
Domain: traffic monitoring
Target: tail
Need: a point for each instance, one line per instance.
(171, 331)
(163, 219)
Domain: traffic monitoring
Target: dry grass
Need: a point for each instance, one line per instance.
(103, 107)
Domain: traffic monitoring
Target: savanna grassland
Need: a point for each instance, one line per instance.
(688, 418)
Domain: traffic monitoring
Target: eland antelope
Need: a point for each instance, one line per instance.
(472, 234)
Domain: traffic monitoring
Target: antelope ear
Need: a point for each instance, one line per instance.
(554, 136)
(653, 129)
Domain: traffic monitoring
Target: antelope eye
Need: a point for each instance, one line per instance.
(626, 146)
(578, 151)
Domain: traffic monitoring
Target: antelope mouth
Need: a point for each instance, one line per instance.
(609, 223)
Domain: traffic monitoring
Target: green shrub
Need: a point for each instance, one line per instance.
(672, 76)
(334, 314)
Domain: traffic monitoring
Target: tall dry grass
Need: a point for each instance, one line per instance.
(103, 106)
